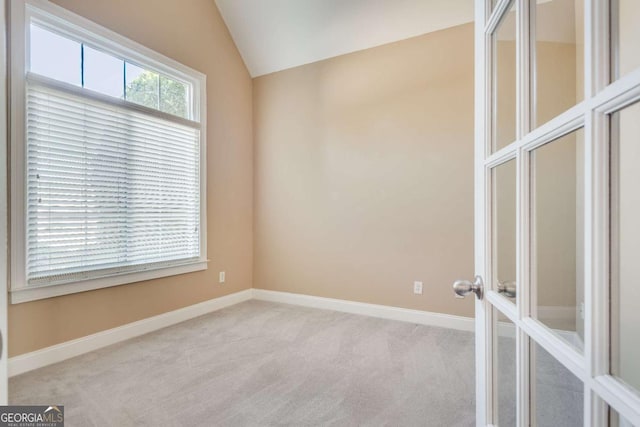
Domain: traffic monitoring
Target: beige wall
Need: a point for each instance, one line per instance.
(364, 174)
(196, 36)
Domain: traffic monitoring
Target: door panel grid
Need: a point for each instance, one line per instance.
(601, 98)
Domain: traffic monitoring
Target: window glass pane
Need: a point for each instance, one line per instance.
(505, 368)
(103, 73)
(558, 66)
(625, 35)
(557, 393)
(54, 56)
(617, 420)
(504, 82)
(504, 229)
(556, 260)
(625, 245)
(173, 97)
(142, 86)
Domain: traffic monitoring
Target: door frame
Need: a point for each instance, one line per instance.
(601, 98)
(3, 205)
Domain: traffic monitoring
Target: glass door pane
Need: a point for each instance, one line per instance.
(558, 58)
(616, 420)
(557, 228)
(625, 33)
(557, 394)
(504, 82)
(504, 229)
(625, 245)
(504, 365)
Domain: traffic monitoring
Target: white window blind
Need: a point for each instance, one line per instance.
(111, 190)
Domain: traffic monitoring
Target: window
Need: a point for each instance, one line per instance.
(108, 158)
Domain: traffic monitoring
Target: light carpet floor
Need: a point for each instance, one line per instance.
(267, 364)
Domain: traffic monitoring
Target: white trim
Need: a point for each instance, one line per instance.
(374, 310)
(33, 293)
(555, 345)
(613, 390)
(3, 206)
(508, 329)
(57, 353)
(562, 313)
(482, 247)
(505, 306)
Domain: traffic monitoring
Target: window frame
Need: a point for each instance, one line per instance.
(75, 27)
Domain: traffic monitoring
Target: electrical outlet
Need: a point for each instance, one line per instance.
(417, 288)
(221, 277)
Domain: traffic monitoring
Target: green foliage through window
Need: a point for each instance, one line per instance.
(158, 92)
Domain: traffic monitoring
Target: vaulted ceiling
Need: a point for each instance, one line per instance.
(274, 35)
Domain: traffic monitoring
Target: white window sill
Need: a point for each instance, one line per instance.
(27, 294)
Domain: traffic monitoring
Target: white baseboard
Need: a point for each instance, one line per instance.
(374, 310)
(57, 353)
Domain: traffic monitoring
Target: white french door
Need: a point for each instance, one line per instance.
(557, 220)
(3, 206)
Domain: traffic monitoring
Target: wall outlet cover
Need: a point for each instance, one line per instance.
(417, 288)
